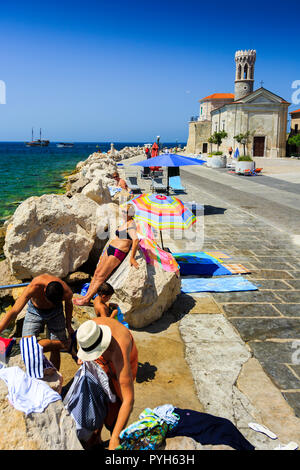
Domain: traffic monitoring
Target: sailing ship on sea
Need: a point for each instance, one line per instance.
(39, 142)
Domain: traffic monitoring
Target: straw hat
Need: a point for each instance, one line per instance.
(93, 340)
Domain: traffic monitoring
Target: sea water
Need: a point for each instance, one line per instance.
(33, 171)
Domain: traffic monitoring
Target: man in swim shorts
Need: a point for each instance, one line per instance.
(45, 296)
(111, 345)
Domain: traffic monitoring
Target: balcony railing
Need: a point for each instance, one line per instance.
(194, 118)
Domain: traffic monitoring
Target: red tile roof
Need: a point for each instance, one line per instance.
(296, 111)
(219, 96)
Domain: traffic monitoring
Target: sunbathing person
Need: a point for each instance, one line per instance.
(126, 239)
(120, 182)
(111, 345)
(101, 306)
(45, 295)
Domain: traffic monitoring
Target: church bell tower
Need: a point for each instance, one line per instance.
(244, 73)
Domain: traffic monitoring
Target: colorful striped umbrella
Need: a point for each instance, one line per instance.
(163, 212)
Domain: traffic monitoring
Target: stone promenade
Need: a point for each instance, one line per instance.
(268, 320)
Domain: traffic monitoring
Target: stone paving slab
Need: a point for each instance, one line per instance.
(290, 310)
(264, 328)
(246, 297)
(270, 274)
(250, 310)
(271, 284)
(293, 399)
(289, 297)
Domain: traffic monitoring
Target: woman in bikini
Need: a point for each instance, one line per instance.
(126, 239)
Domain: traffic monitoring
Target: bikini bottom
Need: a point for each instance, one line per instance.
(112, 251)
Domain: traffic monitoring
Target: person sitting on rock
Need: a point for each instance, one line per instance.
(120, 182)
(45, 295)
(111, 345)
(101, 306)
(126, 239)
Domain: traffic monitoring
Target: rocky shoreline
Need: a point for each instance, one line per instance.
(65, 234)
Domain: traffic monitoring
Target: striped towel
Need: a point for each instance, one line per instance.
(217, 254)
(32, 355)
(237, 268)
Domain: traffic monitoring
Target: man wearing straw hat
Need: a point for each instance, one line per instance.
(111, 345)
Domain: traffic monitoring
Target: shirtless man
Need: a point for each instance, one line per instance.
(44, 296)
(101, 306)
(120, 182)
(111, 345)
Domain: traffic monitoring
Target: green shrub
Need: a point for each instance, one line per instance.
(217, 153)
(245, 158)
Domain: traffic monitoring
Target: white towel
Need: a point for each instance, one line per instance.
(26, 393)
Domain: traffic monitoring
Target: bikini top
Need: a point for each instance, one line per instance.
(124, 233)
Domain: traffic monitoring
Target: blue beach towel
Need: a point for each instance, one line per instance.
(200, 263)
(226, 284)
(120, 318)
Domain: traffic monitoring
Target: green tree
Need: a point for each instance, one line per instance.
(217, 137)
(244, 139)
(294, 140)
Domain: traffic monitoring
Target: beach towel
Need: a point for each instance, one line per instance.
(148, 433)
(218, 254)
(6, 345)
(200, 263)
(236, 268)
(154, 255)
(114, 190)
(87, 399)
(25, 393)
(120, 318)
(32, 355)
(208, 429)
(228, 284)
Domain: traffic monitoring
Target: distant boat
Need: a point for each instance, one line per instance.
(65, 145)
(39, 142)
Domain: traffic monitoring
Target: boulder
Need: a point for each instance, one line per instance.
(143, 294)
(53, 429)
(51, 234)
(6, 278)
(77, 278)
(97, 191)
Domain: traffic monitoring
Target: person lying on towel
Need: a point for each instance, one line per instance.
(45, 296)
(111, 345)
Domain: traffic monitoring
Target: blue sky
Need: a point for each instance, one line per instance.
(130, 70)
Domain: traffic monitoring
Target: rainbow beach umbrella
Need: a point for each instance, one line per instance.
(163, 212)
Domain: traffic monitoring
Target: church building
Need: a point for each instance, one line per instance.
(261, 112)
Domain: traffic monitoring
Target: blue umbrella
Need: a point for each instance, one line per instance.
(169, 160)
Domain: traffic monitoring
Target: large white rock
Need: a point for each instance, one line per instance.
(52, 234)
(143, 294)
